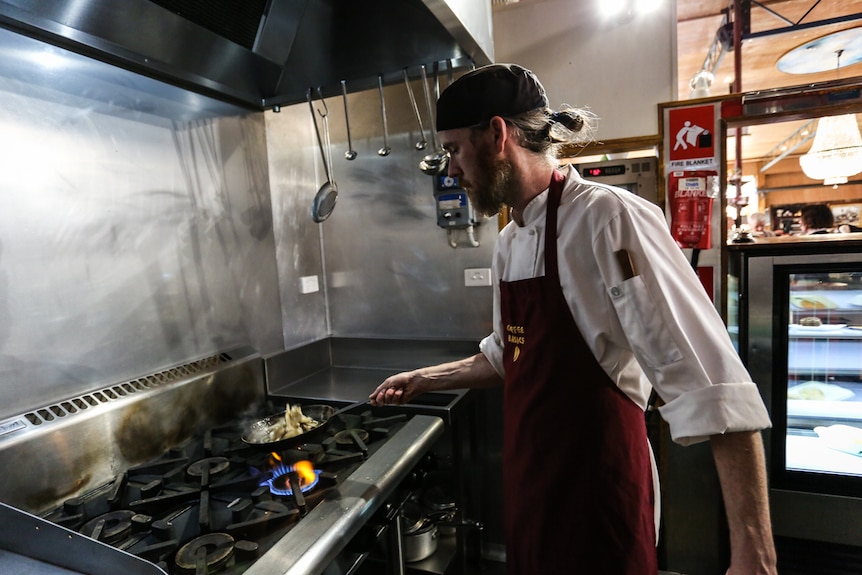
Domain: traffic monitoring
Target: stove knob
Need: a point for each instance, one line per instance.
(164, 530)
(246, 550)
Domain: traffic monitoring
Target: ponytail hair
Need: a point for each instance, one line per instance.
(545, 131)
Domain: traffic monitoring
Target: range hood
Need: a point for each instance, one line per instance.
(263, 53)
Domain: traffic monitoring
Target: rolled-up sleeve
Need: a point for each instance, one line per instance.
(719, 408)
(492, 349)
(665, 322)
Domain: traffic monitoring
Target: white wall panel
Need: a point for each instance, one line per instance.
(619, 67)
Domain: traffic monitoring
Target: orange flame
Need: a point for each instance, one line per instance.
(305, 471)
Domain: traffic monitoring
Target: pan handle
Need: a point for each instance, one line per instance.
(347, 408)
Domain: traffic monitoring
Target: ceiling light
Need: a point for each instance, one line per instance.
(700, 84)
(614, 7)
(819, 55)
(645, 6)
(836, 153)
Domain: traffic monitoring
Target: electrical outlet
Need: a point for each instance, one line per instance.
(309, 284)
(474, 277)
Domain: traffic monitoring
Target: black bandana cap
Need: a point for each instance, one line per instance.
(493, 90)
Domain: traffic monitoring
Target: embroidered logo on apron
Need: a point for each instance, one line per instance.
(515, 336)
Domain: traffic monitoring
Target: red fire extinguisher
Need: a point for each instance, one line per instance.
(692, 194)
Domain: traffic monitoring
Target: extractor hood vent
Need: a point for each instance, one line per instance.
(235, 20)
(263, 53)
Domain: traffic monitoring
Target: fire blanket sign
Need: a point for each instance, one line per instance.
(692, 139)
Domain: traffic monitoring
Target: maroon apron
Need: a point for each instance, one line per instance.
(576, 465)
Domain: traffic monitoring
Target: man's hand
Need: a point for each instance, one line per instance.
(397, 389)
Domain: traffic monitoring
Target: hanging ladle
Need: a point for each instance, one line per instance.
(432, 164)
(324, 200)
(350, 154)
(422, 143)
(384, 151)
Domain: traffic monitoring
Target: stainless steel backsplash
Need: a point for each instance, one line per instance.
(143, 226)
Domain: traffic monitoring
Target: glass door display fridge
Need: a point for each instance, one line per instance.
(796, 314)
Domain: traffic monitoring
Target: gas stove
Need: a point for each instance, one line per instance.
(214, 504)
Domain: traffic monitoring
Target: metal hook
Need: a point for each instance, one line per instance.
(322, 101)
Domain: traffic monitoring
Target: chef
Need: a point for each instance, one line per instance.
(594, 306)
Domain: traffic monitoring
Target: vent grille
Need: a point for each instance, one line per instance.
(114, 392)
(236, 20)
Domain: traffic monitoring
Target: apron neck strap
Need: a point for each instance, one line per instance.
(555, 192)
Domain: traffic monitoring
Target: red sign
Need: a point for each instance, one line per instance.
(691, 138)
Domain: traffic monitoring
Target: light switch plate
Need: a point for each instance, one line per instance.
(309, 284)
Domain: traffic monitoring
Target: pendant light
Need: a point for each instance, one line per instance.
(836, 153)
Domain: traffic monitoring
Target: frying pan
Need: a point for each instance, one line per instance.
(319, 412)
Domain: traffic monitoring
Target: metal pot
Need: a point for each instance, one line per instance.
(442, 509)
(418, 533)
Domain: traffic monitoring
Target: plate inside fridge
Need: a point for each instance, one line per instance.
(795, 328)
(818, 391)
(812, 301)
(846, 438)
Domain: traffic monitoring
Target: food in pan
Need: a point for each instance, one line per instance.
(292, 424)
(810, 321)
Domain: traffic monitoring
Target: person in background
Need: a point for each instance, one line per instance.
(757, 224)
(594, 306)
(816, 219)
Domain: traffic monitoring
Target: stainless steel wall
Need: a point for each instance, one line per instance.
(143, 226)
(135, 227)
(388, 270)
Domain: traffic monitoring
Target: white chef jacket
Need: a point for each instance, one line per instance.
(657, 328)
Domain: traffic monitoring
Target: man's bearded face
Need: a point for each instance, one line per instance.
(490, 186)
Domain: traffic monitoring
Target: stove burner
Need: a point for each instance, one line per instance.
(211, 465)
(109, 527)
(357, 438)
(212, 551)
(279, 483)
(351, 437)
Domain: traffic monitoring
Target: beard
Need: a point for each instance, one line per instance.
(491, 188)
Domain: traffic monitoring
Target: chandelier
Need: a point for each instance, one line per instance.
(836, 153)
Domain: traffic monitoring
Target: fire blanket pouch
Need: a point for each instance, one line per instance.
(691, 198)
